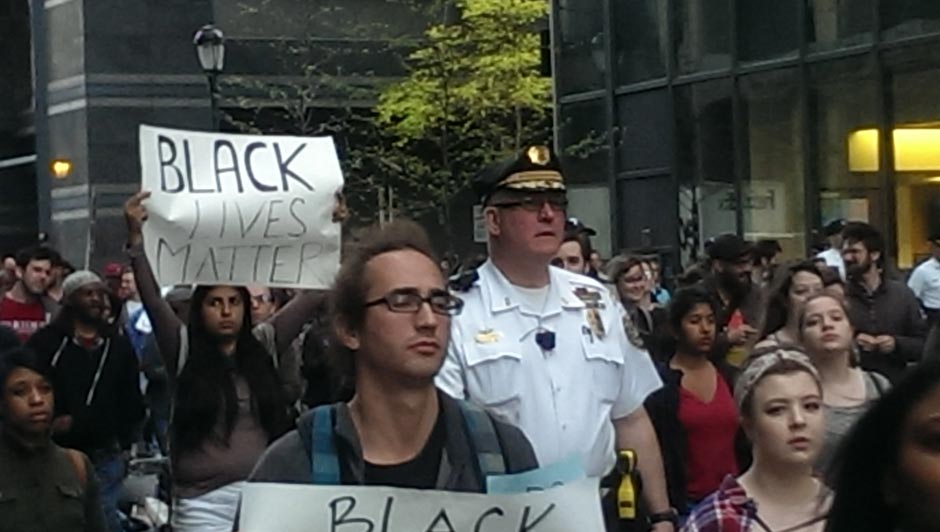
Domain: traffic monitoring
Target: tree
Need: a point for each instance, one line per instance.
(473, 94)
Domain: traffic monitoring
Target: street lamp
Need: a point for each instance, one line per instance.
(210, 47)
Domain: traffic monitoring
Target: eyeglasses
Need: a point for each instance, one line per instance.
(261, 299)
(409, 301)
(534, 203)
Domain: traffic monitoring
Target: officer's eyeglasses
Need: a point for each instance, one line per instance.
(409, 301)
(534, 203)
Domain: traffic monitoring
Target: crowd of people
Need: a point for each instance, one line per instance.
(756, 396)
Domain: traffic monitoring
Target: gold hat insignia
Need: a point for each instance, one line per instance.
(539, 155)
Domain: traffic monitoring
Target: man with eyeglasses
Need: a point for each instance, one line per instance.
(544, 348)
(391, 322)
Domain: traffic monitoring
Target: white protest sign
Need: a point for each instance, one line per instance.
(308, 508)
(240, 209)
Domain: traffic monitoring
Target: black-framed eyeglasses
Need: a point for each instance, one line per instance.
(534, 202)
(409, 301)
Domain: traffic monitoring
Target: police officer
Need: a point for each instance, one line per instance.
(544, 348)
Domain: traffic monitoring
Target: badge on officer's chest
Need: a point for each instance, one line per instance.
(488, 336)
(593, 304)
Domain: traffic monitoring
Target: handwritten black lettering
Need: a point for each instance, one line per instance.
(285, 171)
(163, 248)
(209, 260)
(251, 174)
(276, 263)
(272, 218)
(196, 222)
(257, 260)
(166, 150)
(232, 168)
(364, 524)
(492, 511)
(441, 519)
(525, 526)
(246, 229)
(303, 227)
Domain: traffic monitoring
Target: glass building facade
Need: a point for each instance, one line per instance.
(683, 119)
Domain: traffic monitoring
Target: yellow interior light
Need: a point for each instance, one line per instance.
(61, 168)
(915, 150)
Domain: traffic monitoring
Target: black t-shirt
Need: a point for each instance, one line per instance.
(420, 472)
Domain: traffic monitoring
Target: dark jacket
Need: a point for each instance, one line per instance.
(111, 421)
(663, 409)
(40, 490)
(287, 460)
(752, 309)
(891, 309)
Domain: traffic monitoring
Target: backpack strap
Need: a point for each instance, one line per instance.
(483, 439)
(78, 463)
(324, 462)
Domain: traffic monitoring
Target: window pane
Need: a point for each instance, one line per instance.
(645, 122)
(639, 28)
(705, 166)
(839, 23)
(904, 18)
(916, 158)
(582, 135)
(703, 35)
(767, 29)
(582, 57)
(773, 191)
(843, 97)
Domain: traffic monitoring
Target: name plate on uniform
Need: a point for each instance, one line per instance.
(305, 508)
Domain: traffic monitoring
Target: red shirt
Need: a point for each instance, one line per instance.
(23, 318)
(710, 429)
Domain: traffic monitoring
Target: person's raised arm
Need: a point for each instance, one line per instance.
(166, 326)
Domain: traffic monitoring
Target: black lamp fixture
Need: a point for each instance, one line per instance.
(210, 48)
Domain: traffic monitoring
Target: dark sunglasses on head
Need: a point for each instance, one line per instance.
(409, 300)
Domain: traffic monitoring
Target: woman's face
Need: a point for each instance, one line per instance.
(803, 285)
(826, 328)
(785, 422)
(223, 312)
(633, 284)
(915, 486)
(28, 402)
(698, 328)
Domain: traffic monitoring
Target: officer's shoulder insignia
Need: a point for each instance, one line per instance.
(590, 297)
(487, 336)
(463, 281)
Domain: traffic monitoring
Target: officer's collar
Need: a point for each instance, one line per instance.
(499, 291)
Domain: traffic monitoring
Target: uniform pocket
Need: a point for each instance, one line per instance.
(606, 371)
(494, 380)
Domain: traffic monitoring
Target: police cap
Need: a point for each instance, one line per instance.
(535, 168)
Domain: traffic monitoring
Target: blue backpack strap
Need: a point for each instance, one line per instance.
(483, 439)
(324, 462)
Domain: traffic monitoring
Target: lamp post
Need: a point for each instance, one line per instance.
(210, 48)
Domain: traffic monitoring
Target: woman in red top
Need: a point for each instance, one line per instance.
(694, 412)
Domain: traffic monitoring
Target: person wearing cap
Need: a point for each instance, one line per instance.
(925, 281)
(544, 348)
(833, 255)
(729, 279)
(94, 371)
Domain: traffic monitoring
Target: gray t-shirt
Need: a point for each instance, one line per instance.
(841, 419)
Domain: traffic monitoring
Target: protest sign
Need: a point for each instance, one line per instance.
(564, 471)
(308, 508)
(240, 209)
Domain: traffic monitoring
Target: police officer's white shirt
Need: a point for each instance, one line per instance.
(564, 400)
(833, 258)
(925, 283)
